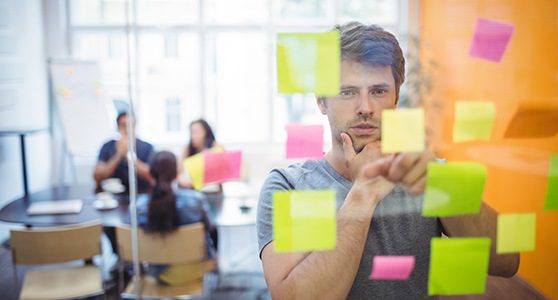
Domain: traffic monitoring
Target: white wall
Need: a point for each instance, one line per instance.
(23, 99)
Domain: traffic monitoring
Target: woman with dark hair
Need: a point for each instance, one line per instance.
(168, 207)
(201, 139)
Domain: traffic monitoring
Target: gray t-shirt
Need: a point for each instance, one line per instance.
(397, 228)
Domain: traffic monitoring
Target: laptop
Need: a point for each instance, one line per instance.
(72, 206)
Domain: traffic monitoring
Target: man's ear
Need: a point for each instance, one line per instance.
(322, 105)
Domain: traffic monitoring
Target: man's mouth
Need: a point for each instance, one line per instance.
(363, 129)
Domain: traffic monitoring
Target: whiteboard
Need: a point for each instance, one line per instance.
(84, 111)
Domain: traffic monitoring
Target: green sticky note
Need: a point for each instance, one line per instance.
(304, 220)
(402, 130)
(473, 121)
(516, 232)
(309, 63)
(458, 266)
(551, 202)
(453, 188)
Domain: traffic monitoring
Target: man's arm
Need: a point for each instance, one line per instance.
(330, 274)
(483, 224)
(104, 170)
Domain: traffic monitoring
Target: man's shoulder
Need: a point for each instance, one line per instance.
(294, 174)
(142, 143)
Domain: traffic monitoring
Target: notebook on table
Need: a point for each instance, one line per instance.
(72, 206)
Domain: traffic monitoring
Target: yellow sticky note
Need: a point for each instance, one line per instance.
(473, 121)
(309, 63)
(516, 232)
(304, 220)
(195, 167)
(402, 130)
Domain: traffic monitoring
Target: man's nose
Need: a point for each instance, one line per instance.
(365, 104)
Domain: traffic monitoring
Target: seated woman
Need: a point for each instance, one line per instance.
(201, 139)
(166, 209)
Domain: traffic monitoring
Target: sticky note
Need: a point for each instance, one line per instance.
(551, 202)
(221, 166)
(453, 188)
(490, 40)
(473, 121)
(195, 167)
(516, 232)
(392, 267)
(308, 63)
(402, 130)
(304, 220)
(458, 266)
(305, 141)
(534, 119)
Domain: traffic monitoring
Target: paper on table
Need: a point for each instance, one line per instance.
(402, 130)
(305, 141)
(392, 267)
(453, 188)
(490, 40)
(551, 202)
(304, 220)
(516, 232)
(72, 206)
(473, 121)
(308, 63)
(458, 266)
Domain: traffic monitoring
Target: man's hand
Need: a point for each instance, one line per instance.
(354, 161)
(409, 171)
(366, 169)
(122, 147)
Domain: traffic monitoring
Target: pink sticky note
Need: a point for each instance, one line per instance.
(305, 141)
(490, 40)
(392, 267)
(221, 166)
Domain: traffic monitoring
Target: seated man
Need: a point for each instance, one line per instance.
(112, 161)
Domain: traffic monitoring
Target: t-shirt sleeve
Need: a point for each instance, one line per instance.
(104, 153)
(276, 181)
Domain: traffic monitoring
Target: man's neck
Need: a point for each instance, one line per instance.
(336, 158)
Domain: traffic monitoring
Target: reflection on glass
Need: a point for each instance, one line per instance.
(241, 85)
(167, 12)
(370, 11)
(303, 11)
(237, 12)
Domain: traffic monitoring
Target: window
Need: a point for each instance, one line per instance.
(213, 59)
(173, 114)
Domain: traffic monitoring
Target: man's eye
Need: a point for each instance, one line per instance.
(379, 92)
(347, 93)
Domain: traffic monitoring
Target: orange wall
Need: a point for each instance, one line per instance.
(517, 168)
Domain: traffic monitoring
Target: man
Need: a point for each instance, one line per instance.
(379, 197)
(112, 161)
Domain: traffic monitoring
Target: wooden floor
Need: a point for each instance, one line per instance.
(242, 277)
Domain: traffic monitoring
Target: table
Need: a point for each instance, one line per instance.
(229, 214)
(22, 133)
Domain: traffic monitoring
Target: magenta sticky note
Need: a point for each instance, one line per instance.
(221, 166)
(392, 267)
(305, 141)
(491, 39)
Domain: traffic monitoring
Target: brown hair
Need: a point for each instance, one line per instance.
(372, 45)
(162, 215)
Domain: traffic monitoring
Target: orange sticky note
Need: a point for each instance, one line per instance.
(534, 119)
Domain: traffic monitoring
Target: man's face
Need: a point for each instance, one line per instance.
(365, 92)
(122, 127)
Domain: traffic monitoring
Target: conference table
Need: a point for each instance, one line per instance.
(233, 211)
